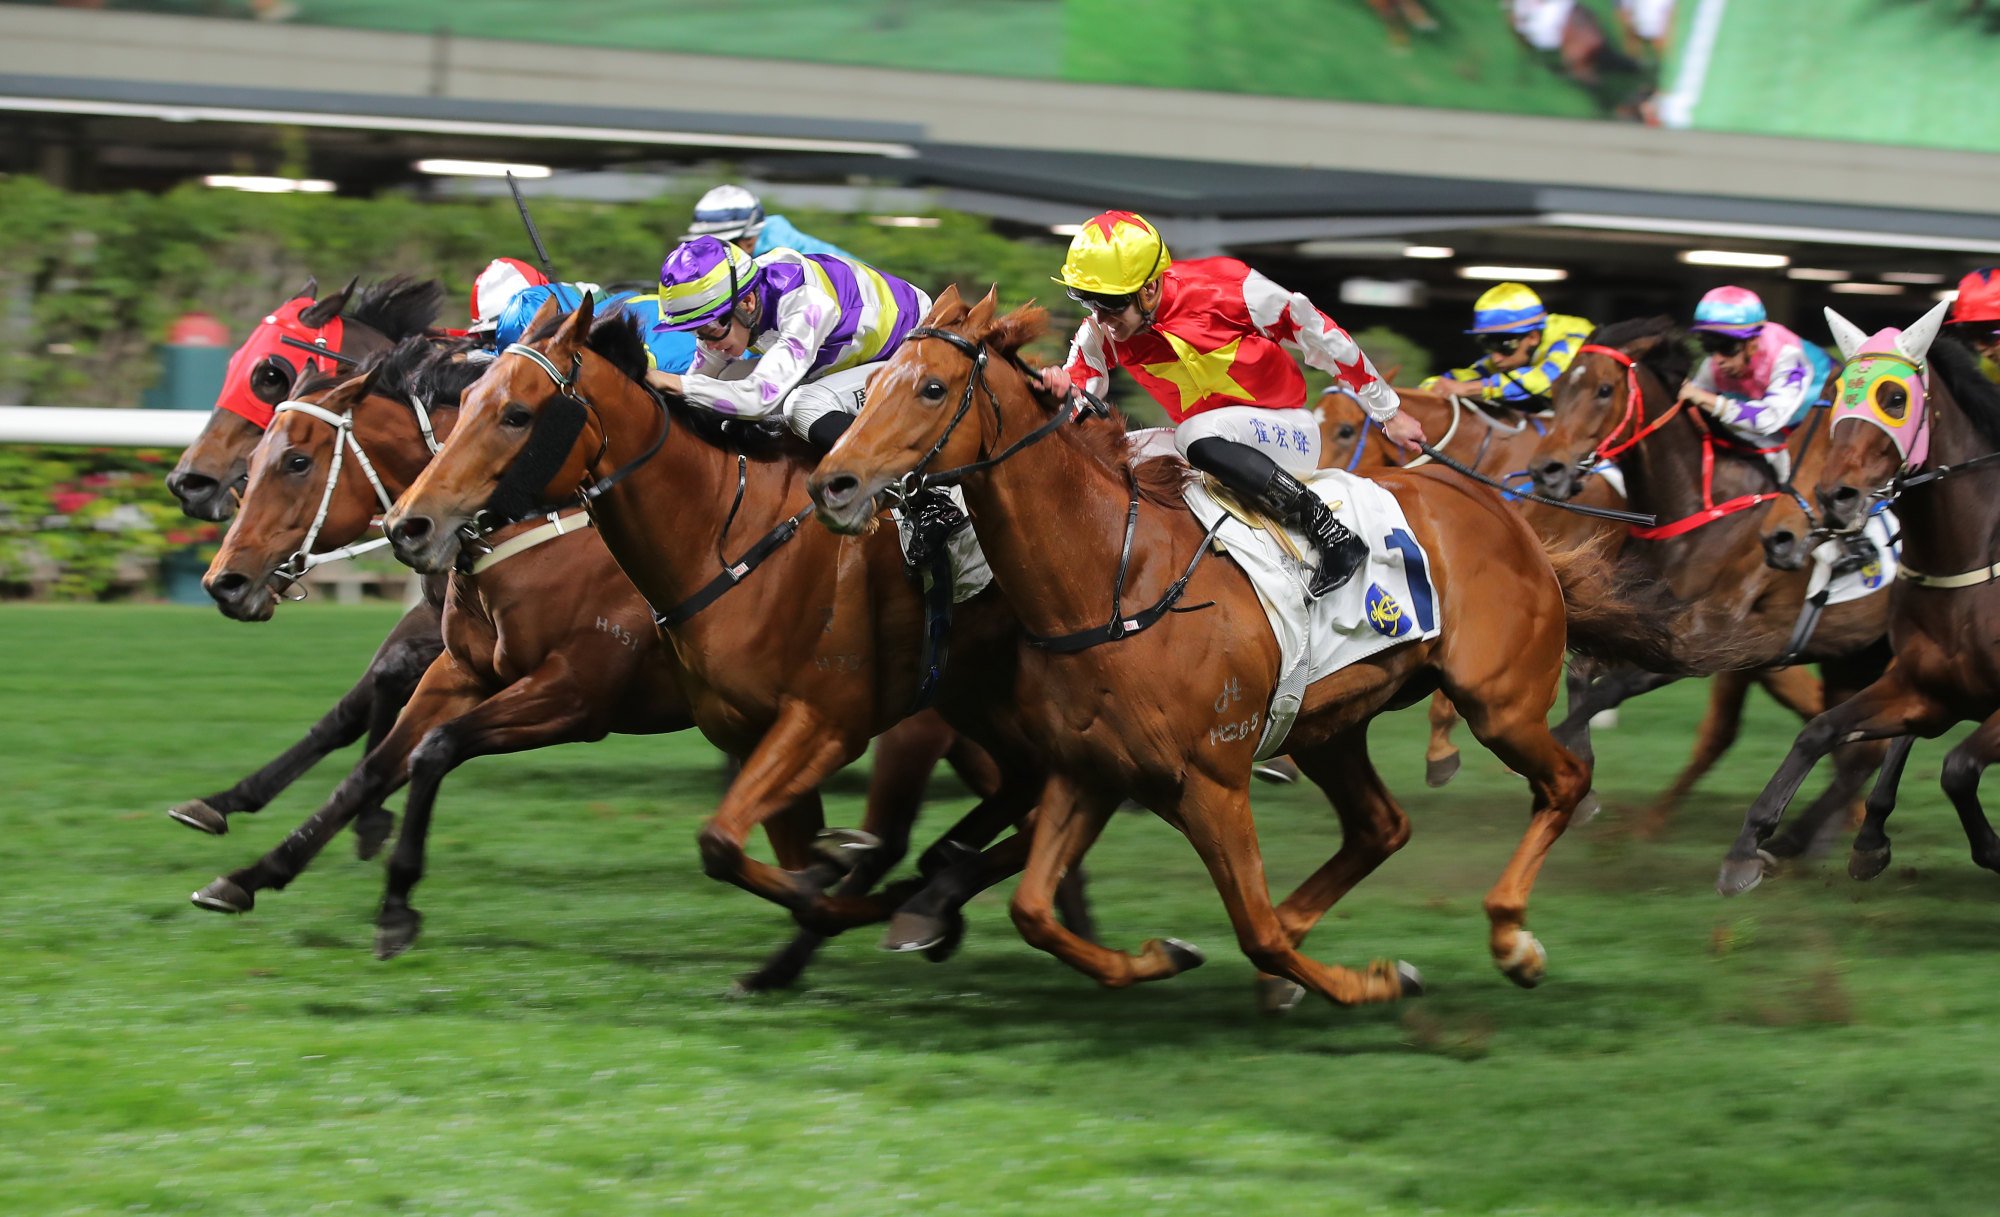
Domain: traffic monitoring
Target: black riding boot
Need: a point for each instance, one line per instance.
(827, 429)
(1258, 479)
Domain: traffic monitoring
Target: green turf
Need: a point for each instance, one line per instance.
(557, 1042)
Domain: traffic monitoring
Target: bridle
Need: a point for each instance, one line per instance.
(344, 440)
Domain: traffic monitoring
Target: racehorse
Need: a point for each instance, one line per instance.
(1058, 508)
(1497, 441)
(547, 641)
(815, 645)
(211, 474)
(1917, 424)
(1617, 401)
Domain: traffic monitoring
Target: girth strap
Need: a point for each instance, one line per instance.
(1121, 626)
(733, 573)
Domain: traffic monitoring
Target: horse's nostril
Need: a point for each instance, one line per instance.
(185, 485)
(228, 585)
(841, 487)
(1846, 494)
(411, 529)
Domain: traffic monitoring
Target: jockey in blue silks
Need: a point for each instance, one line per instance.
(666, 350)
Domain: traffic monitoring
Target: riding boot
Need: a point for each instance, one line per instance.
(827, 429)
(1258, 479)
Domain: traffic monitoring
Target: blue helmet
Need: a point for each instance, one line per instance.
(1732, 311)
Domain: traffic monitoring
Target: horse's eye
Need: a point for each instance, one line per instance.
(265, 377)
(297, 462)
(1346, 431)
(1604, 391)
(516, 416)
(933, 389)
(1893, 399)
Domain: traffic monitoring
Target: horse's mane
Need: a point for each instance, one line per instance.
(1668, 358)
(1958, 367)
(1160, 479)
(398, 307)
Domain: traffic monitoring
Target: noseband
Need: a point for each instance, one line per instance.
(344, 440)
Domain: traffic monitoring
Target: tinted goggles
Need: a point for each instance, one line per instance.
(1500, 344)
(1719, 344)
(1101, 303)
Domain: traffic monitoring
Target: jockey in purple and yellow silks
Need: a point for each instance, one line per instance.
(1526, 346)
(818, 326)
(1757, 378)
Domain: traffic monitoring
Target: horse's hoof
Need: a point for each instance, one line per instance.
(954, 937)
(1279, 771)
(843, 847)
(1528, 963)
(371, 832)
(224, 896)
(914, 932)
(198, 815)
(1276, 995)
(396, 931)
(1411, 980)
(1587, 808)
(1441, 770)
(1865, 864)
(1185, 956)
(1739, 875)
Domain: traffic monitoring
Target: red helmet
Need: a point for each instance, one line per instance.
(498, 284)
(1978, 296)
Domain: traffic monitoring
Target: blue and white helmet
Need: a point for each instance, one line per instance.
(728, 212)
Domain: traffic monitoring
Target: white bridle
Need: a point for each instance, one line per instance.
(344, 440)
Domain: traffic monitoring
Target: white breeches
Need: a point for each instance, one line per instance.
(842, 391)
(1289, 437)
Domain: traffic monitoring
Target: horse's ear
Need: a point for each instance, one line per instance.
(550, 309)
(311, 290)
(979, 322)
(323, 311)
(1916, 341)
(1846, 335)
(946, 307)
(576, 327)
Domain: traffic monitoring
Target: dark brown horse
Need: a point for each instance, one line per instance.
(1902, 393)
(1497, 441)
(211, 475)
(1715, 560)
(803, 661)
(547, 641)
(1138, 715)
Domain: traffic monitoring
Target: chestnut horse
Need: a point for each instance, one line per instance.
(1903, 392)
(1619, 396)
(1054, 503)
(547, 641)
(212, 472)
(805, 659)
(1497, 441)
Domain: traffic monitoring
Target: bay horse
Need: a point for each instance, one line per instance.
(809, 655)
(213, 471)
(1057, 504)
(1497, 440)
(1917, 424)
(546, 640)
(1619, 400)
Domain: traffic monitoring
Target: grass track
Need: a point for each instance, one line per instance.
(556, 1043)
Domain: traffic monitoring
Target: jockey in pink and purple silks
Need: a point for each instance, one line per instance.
(816, 325)
(1757, 378)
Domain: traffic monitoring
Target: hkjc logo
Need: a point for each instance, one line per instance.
(1385, 615)
(1871, 574)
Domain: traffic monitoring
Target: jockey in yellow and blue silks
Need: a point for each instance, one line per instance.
(1526, 346)
(737, 216)
(1757, 378)
(818, 326)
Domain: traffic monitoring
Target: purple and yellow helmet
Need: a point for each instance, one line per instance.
(1734, 312)
(700, 281)
(1510, 308)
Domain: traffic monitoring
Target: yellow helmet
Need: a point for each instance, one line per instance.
(1115, 254)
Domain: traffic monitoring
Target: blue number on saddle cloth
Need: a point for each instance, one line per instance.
(1420, 587)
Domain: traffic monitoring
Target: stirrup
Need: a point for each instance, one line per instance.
(933, 518)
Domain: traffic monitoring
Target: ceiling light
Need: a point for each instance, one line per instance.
(1382, 293)
(1523, 274)
(1733, 257)
(451, 168)
(255, 184)
(1921, 278)
(1872, 238)
(1948, 296)
(1428, 251)
(906, 221)
(1866, 289)
(1813, 274)
(1065, 230)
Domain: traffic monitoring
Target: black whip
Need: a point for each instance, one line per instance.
(1640, 519)
(541, 251)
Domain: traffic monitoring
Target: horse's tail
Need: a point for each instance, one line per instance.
(1620, 615)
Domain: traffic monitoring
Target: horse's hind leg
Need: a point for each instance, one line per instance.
(1963, 766)
(392, 673)
(1718, 731)
(799, 751)
(546, 707)
(1870, 854)
(1066, 822)
(1441, 759)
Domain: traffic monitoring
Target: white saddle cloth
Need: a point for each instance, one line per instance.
(1389, 601)
(1874, 576)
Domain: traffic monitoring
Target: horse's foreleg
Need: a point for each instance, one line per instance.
(1889, 707)
(800, 751)
(1718, 731)
(1590, 697)
(1441, 759)
(1794, 688)
(1870, 853)
(1963, 766)
(546, 707)
(445, 691)
(392, 673)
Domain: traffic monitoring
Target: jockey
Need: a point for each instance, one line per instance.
(666, 350)
(818, 325)
(1756, 378)
(1203, 338)
(495, 286)
(1975, 318)
(737, 216)
(1526, 346)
